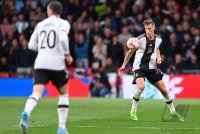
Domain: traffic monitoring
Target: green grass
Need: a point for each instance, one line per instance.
(99, 116)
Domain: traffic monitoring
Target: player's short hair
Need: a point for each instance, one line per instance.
(148, 21)
(56, 7)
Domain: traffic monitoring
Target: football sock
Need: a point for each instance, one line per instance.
(136, 98)
(169, 102)
(31, 102)
(63, 105)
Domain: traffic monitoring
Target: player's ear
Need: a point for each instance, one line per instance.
(49, 11)
(154, 27)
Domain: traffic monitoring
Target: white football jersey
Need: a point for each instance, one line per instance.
(145, 57)
(50, 39)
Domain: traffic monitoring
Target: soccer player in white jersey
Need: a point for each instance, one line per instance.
(145, 66)
(50, 40)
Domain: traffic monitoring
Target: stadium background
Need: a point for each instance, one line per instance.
(98, 35)
(99, 31)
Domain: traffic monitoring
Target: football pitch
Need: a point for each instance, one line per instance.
(101, 116)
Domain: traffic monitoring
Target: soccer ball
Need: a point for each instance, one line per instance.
(133, 43)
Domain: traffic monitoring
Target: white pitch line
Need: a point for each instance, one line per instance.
(150, 128)
(164, 128)
(118, 127)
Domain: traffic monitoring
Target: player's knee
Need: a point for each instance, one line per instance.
(164, 92)
(141, 87)
(35, 96)
(63, 89)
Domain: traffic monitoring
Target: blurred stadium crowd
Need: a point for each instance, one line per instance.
(99, 31)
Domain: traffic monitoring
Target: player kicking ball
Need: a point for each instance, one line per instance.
(147, 56)
(50, 39)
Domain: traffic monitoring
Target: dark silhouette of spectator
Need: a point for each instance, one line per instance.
(115, 52)
(96, 30)
(195, 19)
(107, 35)
(81, 49)
(178, 66)
(91, 11)
(30, 29)
(25, 59)
(187, 44)
(133, 28)
(195, 32)
(109, 68)
(13, 57)
(74, 7)
(176, 19)
(179, 33)
(193, 62)
(4, 64)
(114, 4)
(27, 9)
(107, 13)
(10, 36)
(117, 21)
(84, 17)
(4, 48)
(5, 27)
(197, 50)
(170, 48)
(100, 85)
(164, 63)
(10, 10)
(1, 39)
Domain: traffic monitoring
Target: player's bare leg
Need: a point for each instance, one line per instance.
(161, 87)
(63, 105)
(136, 97)
(31, 103)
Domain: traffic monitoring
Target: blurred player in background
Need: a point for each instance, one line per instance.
(50, 40)
(145, 66)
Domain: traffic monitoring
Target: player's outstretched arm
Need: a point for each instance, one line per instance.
(158, 57)
(126, 59)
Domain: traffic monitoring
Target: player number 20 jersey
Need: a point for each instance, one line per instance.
(50, 39)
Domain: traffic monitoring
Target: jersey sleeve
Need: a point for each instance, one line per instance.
(160, 43)
(158, 37)
(63, 37)
(33, 42)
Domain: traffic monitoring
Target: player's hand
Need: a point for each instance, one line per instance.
(158, 61)
(69, 59)
(121, 70)
(134, 48)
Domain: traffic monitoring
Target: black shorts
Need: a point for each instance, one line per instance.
(43, 76)
(152, 75)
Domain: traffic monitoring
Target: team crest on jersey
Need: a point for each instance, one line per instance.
(150, 50)
(158, 71)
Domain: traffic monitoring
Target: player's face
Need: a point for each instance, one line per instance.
(149, 29)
